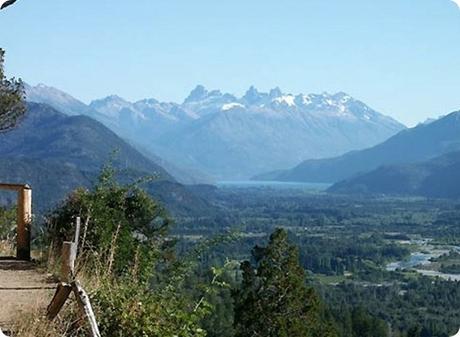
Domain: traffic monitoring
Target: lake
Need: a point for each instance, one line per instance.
(319, 187)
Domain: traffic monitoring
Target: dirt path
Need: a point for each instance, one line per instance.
(23, 288)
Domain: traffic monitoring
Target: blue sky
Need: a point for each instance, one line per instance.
(402, 57)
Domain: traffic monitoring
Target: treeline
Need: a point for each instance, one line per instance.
(413, 308)
(259, 210)
(335, 256)
(322, 253)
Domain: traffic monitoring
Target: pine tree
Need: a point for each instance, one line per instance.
(12, 106)
(274, 299)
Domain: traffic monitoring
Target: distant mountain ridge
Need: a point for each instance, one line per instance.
(435, 178)
(56, 153)
(58, 99)
(71, 106)
(422, 143)
(234, 138)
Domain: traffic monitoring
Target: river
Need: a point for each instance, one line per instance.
(423, 258)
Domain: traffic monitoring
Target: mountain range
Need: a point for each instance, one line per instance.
(71, 106)
(56, 153)
(246, 131)
(409, 157)
(435, 178)
(226, 137)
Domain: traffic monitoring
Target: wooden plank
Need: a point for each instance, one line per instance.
(86, 308)
(13, 187)
(25, 288)
(60, 297)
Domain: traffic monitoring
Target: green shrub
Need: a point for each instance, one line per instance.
(120, 223)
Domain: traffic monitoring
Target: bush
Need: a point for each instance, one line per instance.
(127, 262)
(121, 224)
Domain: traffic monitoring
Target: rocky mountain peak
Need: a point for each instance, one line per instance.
(197, 94)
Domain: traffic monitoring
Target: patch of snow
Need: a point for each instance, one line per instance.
(230, 106)
(286, 99)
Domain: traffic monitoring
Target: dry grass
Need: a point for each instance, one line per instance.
(7, 248)
(35, 324)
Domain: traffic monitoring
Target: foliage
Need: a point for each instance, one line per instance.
(137, 285)
(364, 325)
(12, 106)
(416, 304)
(7, 231)
(121, 223)
(126, 307)
(7, 223)
(274, 300)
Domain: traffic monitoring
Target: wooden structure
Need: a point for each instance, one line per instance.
(24, 218)
(70, 284)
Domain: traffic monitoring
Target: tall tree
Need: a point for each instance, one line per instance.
(274, 299)
(12, 105)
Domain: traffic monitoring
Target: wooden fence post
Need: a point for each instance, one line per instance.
(24, 223)
(69, 255)
(68, 261)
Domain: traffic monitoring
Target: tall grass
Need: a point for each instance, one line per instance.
(7, 247)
